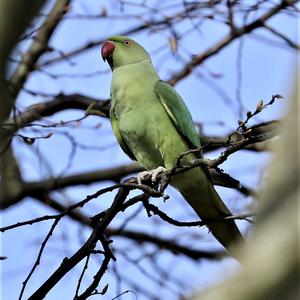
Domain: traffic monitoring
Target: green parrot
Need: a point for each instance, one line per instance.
(154, 127)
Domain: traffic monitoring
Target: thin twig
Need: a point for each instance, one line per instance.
(165, 217)
(37, 262)
(85, 267)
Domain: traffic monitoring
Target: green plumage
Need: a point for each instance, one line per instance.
(153, 126)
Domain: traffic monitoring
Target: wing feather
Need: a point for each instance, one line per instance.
(177, 112)
(180, 116)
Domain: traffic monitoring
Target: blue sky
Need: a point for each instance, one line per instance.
(266, 70)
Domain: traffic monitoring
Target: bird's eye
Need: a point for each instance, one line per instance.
(127, 43)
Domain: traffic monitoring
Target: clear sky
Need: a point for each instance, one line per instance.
(267, 67)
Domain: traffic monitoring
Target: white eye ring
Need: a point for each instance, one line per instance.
(127, 43)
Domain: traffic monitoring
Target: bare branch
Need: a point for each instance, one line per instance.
(149, 24)
(68, 263)
(238, 32)
(85, 267)
(10, 30)
(253, 135)
(90, 290)
(169, 245)
(37, 262)
(59, 103)
(9, 34)
(38, 47)
(30, 57)
(156, 211)
(282, 36)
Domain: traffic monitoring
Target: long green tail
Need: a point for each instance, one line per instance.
(199, 192)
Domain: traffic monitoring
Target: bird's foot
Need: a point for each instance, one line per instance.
(153, 174)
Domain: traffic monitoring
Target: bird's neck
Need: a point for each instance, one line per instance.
(130, 78)
(136, 69)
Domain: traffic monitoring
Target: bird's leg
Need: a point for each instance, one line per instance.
(141, 177)
(153, 173)
(156, 172)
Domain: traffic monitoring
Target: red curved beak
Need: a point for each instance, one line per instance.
(107, 49)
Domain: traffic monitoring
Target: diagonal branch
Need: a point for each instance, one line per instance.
(38, 259)
(148, 25)
(10, 30)
(38, 47)
(10, 11)
(283, 37)
(68, 263)
(238, 32)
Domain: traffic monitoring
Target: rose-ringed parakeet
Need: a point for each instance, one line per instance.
(154, 127)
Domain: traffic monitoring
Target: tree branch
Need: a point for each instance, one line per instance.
(238, 32)
(59, 103)
(255, 134)
(283, 37)
(29, 58)
(68, 263)
(149, 24)
(78, 101)
(38, 47)
(10, 30)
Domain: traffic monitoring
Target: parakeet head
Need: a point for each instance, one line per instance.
(121, 50)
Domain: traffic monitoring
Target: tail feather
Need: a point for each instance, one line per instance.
(203, 198)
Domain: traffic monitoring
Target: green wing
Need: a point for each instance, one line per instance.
(180, 115)
(115, 126)
(177, 112)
